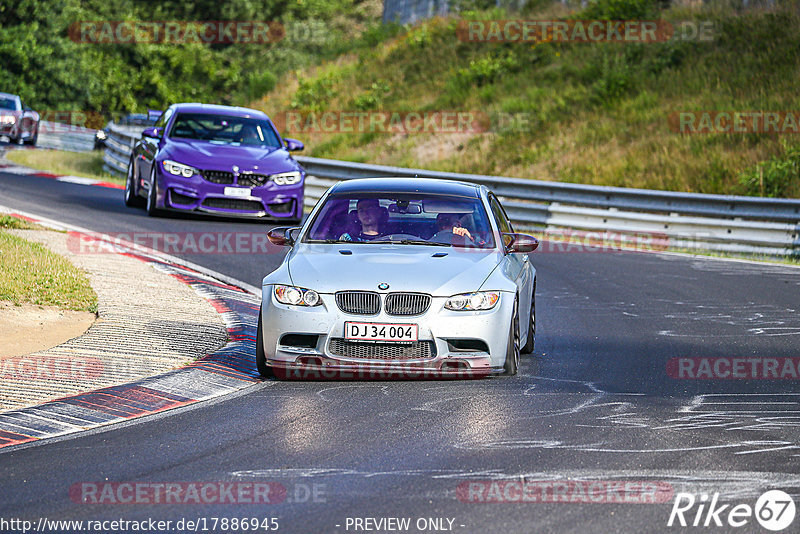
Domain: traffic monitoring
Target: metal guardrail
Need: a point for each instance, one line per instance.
(65, 137)
(753, 225)
(685, 220)
(119, 144)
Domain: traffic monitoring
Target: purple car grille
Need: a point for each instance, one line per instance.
(218, 177)
(233, 204)
(252, 180)
(382, 351)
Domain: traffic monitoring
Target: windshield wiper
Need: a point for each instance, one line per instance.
(409, 242)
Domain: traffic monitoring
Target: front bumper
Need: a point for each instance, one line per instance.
(196, 194)
(485, 331)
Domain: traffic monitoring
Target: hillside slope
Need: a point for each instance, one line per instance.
(596, 113)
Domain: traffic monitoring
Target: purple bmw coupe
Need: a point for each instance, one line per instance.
(219, 160)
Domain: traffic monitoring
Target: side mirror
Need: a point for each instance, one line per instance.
(520, 243)
(293, 145)
(282, 236)
(153, 132)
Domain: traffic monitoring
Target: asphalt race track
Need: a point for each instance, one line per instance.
(600, 400)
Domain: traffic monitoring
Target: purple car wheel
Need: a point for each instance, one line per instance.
(152, 195)
(132, 198)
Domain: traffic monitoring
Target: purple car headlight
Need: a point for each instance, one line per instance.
(179, 169)
(285, 178)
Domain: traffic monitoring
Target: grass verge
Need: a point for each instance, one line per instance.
(84, 164)
(30, 273)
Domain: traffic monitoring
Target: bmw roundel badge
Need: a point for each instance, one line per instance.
(383, 286)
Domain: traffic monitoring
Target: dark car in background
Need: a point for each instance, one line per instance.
(132, 119)
(18, 122)
(219, 160)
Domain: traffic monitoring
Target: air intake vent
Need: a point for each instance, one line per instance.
(379, 351)
(233, 204)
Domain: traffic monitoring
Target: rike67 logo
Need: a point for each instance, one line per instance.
(774, 510)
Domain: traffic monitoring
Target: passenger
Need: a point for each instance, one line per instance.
(449, 225)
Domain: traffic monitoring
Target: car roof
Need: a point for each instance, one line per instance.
(234, 111)
(8, 95)
(398, 184)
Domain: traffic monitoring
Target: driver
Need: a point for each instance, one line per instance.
(370, 216)
(249, 136)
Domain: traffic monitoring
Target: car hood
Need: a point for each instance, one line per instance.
(404, 267)
(222, 157)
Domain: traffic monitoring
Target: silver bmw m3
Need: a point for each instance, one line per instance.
(399, 278)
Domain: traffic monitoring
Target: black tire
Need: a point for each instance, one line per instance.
(152, 194)
(132, 198)
(32, 141)
(261, 359)
(511, 364)
(530, 343)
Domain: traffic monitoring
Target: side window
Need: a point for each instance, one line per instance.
(502, 219)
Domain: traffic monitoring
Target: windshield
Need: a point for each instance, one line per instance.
(406, 219)
(225, 130)
(8, 103)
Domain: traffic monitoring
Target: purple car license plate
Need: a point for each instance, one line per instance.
(381, 332)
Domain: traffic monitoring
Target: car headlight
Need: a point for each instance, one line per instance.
(179, 169)
(285, 178)
(480, 300)
(100, 134)
(297, 296)
(8, 119)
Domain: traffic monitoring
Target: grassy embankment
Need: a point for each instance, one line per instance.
(84, 164)
(587, 113)
(30, 273)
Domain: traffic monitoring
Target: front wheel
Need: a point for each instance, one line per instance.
(33, 139)
(152, 195)
(511, 364)
(261, 359)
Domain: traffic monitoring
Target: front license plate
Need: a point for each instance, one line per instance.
(380, 332)
(237, 192)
